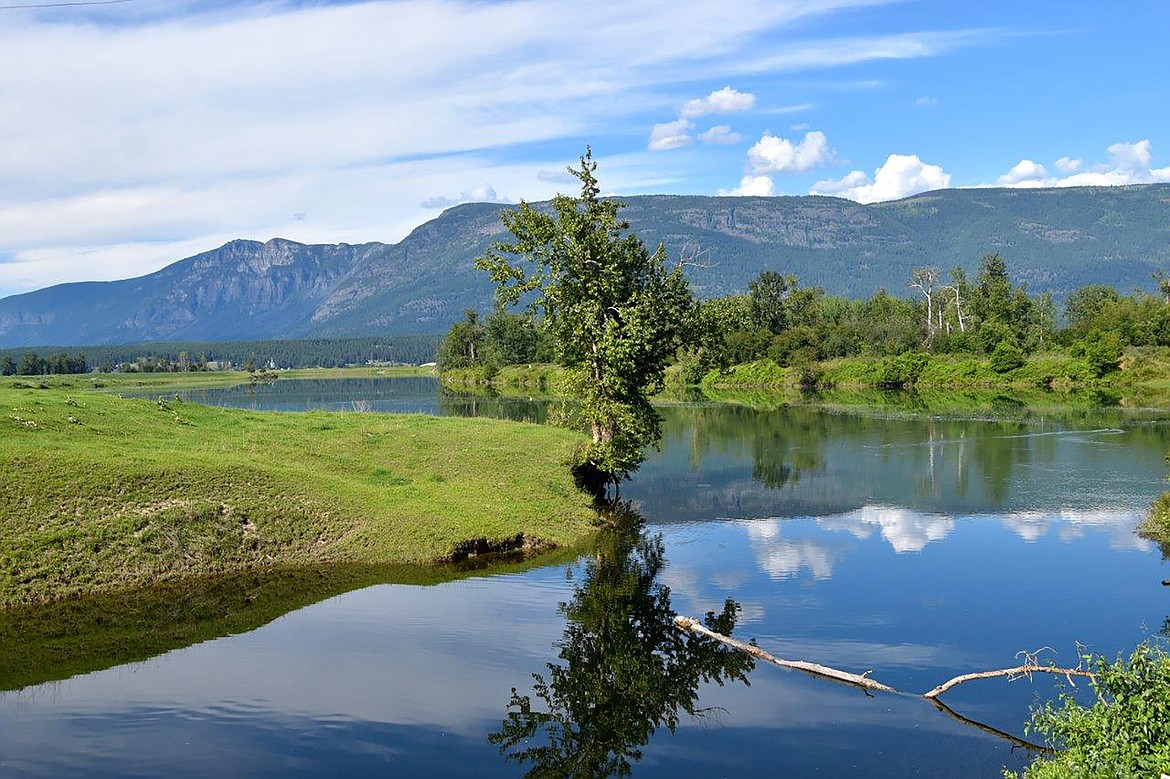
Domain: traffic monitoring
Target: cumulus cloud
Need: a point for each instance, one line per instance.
(325, 103)
(752, 186)
(720, 134)
(721, 101)
(1129, 163)
(670, 135)
(481, 193)
(773, 154)
(1024, 173)
(900, 176)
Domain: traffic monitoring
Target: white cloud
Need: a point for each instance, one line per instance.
(900, 176)
(720, 134)
(670, 135)
(801, 127)
(1129, 163)
(752, 186)
(556, 176)
(721, 101)
(773, 154)
(139, 147)
(926, 102)
(1024, 172)
(481, 193)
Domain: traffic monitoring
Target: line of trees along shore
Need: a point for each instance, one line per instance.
(988, 316)
(182, 356)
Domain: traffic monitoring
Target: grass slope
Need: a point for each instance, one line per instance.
(103, 492)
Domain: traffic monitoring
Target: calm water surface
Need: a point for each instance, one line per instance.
(919, 549)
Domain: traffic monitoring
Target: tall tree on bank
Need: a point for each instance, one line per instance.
(614, 310)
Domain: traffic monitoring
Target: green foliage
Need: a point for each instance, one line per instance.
(767, 296)
(902, 371)
(168, 356)
(1006, 356)
(1126, 730)
(761, 373)
(464, 345)
(615, 313)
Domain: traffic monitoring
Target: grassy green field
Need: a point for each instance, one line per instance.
(103, 492)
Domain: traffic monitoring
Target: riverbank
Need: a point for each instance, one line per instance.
(103, 492)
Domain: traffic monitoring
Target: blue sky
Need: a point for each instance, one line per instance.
(133, 134)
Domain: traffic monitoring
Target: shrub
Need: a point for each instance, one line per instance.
(1126, 732)
(1006, 356)
(903, 370)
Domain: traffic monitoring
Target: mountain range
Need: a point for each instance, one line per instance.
(1053, 240)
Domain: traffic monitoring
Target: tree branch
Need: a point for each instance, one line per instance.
(857, 680)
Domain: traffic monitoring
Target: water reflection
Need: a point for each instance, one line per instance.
(784, 556)
(739, 462)
(624, 669)
(54, 641)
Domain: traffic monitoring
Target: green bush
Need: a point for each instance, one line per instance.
(902, 371)
(762, 373)
(1006, 356)
(1125, 733)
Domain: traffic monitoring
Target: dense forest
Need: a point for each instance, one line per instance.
(223, 355)
(990, 317)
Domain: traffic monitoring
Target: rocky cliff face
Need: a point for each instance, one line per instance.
(244, 289)
(1054, 240)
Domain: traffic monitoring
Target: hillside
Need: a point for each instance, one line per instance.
(1053, 239)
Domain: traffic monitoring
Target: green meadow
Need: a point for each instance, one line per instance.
(103, 493)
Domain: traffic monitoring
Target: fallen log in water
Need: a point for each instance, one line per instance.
(863, 681)
(857, 680)
(1020, 670)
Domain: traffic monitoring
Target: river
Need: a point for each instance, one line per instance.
(918, 548)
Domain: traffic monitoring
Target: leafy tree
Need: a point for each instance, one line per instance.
(31, 365)
(1085, 305)
(7, 366)
(768, 298)
(613, 309)
(510, 339)
(463, 346)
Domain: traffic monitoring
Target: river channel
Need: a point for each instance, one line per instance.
(914, 547)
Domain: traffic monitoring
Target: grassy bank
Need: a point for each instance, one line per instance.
(1057, 372)
(103, 492)
(545, 378)
(1156, 525)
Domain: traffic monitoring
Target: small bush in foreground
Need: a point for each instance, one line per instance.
(1125, 733)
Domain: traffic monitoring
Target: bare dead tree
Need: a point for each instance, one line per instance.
(924, 280)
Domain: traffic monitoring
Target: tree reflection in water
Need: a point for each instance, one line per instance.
(625, 670)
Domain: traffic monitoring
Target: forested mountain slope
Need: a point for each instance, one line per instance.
(1053, 240)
